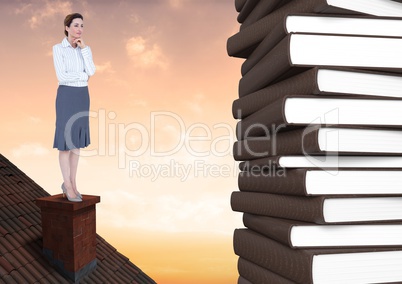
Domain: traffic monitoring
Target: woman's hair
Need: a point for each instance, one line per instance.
(68, 20)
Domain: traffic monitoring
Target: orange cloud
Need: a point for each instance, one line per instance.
(40, 11)
(146, 55)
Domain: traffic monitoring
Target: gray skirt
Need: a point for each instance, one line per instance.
(72, 118)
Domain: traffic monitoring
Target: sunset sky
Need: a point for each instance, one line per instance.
(161, 124)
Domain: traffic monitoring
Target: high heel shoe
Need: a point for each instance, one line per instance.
(79, 195)
(65, 193)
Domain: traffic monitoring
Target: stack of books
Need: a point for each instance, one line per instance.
(319, 140)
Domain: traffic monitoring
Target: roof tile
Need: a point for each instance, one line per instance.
(15, 224)
(8, 279)
(44, 280)
(12, 260)
(41, 266)
(17, 239)
(3, 214)
(29, 278)
(35, 273)
(6, 226)
(3, 231)
(25, 221)
(26, 254)
(19, 257)
(6, 265)
(18, 208)
(5, 243)
(24, 237)
(60, 279)
(17, 276)
(15, 199)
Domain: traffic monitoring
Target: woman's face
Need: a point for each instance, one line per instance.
(76, 28)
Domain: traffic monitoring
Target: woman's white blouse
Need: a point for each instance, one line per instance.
(73, 66)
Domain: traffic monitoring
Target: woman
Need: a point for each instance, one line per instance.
(74, 66)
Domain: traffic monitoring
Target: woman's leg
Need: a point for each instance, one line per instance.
(64, 160)
(74, 158)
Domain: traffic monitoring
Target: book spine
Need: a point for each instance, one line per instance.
(257, 274)
(269, 42)
(289, 182)
(248, 7)
(239, 4)
(271, 255)
(269, 68)
(302, 84)
(309, 209)
(242, 280)
(252, 35)
(263, 122)
(294, 142)
(262, 9)
(269, 227)
(258, 165)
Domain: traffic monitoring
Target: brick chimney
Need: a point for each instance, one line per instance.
(69, 234)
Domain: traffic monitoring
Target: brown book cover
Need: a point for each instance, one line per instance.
(294, 182)
(269, 119)
(261, 164)
(273, 67)
(239, 4)
(245, 41)
(257, 274)
(247, 8)
(242, 280)
(277, 64)
(305, 141)
(301, 208)
(280, 230)
(295, 265)
(280, 31)
(301, 84)
(289, 182)
(293, 142)
(308, 209)
(277, 229)
(262, 9)
(277, 34)
(272, 164)
(272, 118)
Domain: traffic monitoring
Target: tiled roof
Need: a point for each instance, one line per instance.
(21, 259)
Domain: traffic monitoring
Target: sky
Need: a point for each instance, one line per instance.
(160, 119)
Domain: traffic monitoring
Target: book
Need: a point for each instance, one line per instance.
(239, 4)
(242, 280)
(305, 182)
(322, 81)
(262, 9)
(297, 234)
(321, 141)
(319, 209)
(310, 111)
(324, 24)
(248, 6)
(257, 274)
(331, 265)
(323, 162)
(245, 41)
(298, 52)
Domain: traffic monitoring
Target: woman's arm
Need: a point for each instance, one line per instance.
(62, 75)
(88, 62)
